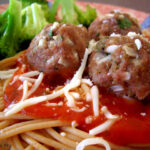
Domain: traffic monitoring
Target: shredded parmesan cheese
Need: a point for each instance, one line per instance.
(104, 59)
(87, 91)
(74, 124)
(80, 25)
(115, 35)
(88, 119)
(108, 114)
(54, 26)
(101, 128)
(75, 95)
(25, 90)
(79, 110)
(93, 141)
(22, 78)
(112, 48)
(30, 74)
(87, 81)
(63, 134)
(117, 88)
(138, 44)
(131, 34)
(95, 100)
(74, 83)
(110, 15)
(36, 84)
(7, 74)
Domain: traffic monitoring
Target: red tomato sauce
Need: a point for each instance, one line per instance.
(132, 128)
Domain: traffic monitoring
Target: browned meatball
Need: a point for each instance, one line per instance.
(115, 22)
(123, 66)
(58, 49)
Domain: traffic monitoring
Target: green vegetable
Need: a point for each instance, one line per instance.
(70, 13)
(124, 23)
(53, 10)
(87, 16)
(18, 25)
(10, 28)
(50, 33)
(3, 22)
(33, 21)
(42, 3)
(25, 18)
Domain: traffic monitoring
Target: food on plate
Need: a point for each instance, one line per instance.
(68, 92)
(122, 65)
(20, 25)
(58, 50)
(114, 22)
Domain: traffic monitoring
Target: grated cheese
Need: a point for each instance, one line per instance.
(143, 114)
(30, 74)
(7, 74)
(93, 141)
(80, 25)
(23, 67)
(95, 100)
(79, 110)
(75, 95)
(41, 42)
(36, 84)
(112, 48)
(88, 119)
(54, 104)
(20, 87)
(25, 90)
(117, 88)
(138, 44)
(110, 15)
(101, 128)
(75, 82)
(54, 26)
(108, 114)
(115, 35)
(86, 90)
(70, 99)
(131, 34)
(74, 124)
(63, 134)
(87, 81)
(22, 78)
(104, 59)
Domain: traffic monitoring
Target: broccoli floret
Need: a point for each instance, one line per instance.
(18, 25)
(70, 13)
(10, 27)
(43, 4)
(33, 21)
(87, 16)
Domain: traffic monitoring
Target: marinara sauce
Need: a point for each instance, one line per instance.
(133, 127)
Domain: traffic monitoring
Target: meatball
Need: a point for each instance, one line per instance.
(58, 49)
(122, 66)
(113, 23)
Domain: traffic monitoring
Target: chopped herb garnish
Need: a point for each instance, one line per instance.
(50, 33)
(97, 34)
(107, 54)
(124, 23)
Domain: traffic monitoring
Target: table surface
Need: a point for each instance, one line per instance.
(142, 5)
